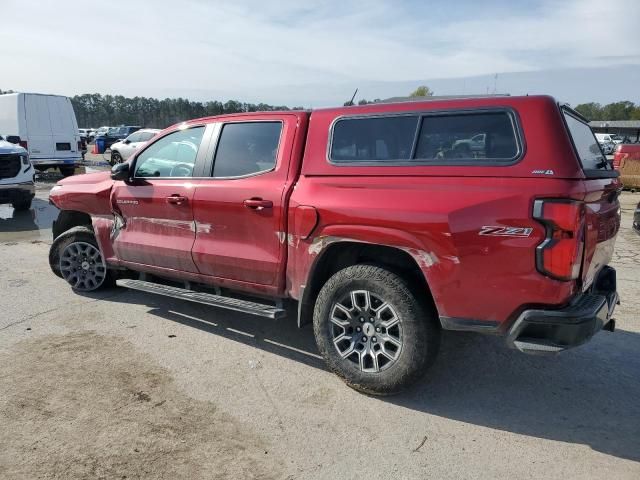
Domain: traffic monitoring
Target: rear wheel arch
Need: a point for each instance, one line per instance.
(343, 254)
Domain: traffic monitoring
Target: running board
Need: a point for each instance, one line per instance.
(244, 306)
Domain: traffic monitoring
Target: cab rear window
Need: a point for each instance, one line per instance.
(586, 145)
(486, 137)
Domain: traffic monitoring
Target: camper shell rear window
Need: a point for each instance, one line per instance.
(478, 137)
(586, 145)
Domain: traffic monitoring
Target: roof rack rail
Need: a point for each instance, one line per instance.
(440, 97)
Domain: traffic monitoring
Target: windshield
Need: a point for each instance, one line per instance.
(587, 146)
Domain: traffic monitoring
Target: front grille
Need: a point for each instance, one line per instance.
(9, 165)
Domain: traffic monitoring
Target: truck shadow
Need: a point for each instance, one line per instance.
(588, 396)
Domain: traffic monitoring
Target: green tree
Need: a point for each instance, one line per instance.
(422, 91)
(618, 111)
(591, 111)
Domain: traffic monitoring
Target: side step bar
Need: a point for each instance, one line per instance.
(244, 306)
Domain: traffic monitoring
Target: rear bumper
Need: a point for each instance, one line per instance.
(543, 331)
(45, 162)
(12, 192)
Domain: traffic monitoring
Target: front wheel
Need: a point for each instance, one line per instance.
(373, 331)
(75, 256)
(115, 158)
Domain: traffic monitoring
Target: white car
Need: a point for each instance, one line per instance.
(16, 176)
(608, 138)
(100, 131)
(122, 150)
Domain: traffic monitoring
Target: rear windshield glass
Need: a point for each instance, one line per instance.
(482, 137)
(586, 144)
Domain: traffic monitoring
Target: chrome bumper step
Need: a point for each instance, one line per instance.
(244, 306)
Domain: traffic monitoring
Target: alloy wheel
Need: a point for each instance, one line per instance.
(81, 265)
(366, 330)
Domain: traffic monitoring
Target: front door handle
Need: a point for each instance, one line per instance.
(176, 199)
(258, 203)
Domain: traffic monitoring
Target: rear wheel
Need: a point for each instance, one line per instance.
(76, 257)
(373, 331)
(67, 171)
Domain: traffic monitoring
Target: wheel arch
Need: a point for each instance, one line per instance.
(343, 253)
(68, 219)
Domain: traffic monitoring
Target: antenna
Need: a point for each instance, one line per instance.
(350, 102)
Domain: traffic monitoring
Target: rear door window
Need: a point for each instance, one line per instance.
(587, 146)
(247, 149)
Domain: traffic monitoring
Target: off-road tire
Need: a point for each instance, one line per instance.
(420, 329)
(67, 171)
(76, 234)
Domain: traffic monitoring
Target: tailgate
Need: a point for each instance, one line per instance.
(602, 188)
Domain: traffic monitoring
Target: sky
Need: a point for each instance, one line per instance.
(316, 53)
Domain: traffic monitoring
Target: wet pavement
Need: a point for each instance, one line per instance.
(34, 224)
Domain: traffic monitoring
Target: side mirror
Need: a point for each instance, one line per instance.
(13, 139)
(126, 141)
(120, 171)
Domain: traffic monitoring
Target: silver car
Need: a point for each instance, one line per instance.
(122, 150)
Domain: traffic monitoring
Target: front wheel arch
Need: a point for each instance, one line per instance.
(68, 219)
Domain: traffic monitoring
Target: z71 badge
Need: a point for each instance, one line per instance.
(506, 231)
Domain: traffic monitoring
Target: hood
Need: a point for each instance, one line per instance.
(6, 147)
(87, 178)
(87, 193)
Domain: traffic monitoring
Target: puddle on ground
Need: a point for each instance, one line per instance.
(34, 224)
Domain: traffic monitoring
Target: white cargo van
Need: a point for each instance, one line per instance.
(46, 126)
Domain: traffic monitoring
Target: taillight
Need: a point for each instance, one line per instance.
(24, 144)
(560, 255)
(618, 160)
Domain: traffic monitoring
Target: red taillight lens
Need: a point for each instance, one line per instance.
(560, 255)
(24, 144)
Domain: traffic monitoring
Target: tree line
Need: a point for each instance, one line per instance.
(612, 111)
(94, 109)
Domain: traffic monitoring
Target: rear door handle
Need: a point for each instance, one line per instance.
(258, 203)
(176, 199)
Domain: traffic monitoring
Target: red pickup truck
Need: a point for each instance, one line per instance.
(379, 222)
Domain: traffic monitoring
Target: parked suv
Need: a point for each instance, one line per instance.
(123, 149)
(370, 221)
(16, 176)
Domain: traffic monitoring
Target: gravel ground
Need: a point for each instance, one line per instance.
(126, 385)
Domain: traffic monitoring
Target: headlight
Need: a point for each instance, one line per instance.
(25, 159)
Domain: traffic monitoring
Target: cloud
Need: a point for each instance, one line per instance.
(242, 48)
